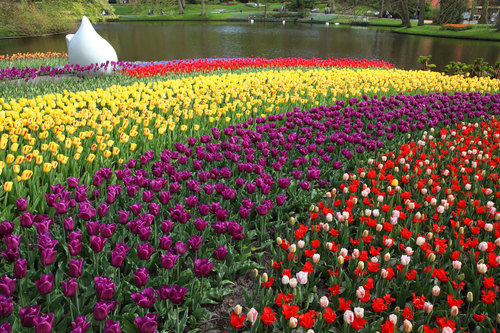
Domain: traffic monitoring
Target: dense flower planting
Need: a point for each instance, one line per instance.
(30, 56)
(113, 246)
(207, 65)
(107, 126)
(30, 73)
(133, 208)
(410, 240)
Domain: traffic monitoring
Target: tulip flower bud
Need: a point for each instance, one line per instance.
(329, 246)
(255, 272)
(293, 248)
(361, 265)
(279, 241)
(310, 331)
(461, 230)
(292, 220)
(365, 233)
(316, 258)
(482, 268)
(285, 280)
(432, 257)
(387, 257)
(265, 278)
(252, 315)
(311, 208)
(340, 260)
(238, 309)
(497, 242)
(323, 302)
(301, 244)
(293, 283)
(454, 311)
(397, 309)
(407, 326)
(393, 318)
(470, 297)
(328, 194)
(359, 312)
(436, 291)
(428, 307)
(498, 318)
(420, 241)
(293, 322)
(379, 227)
(316, 209)
(355, 253)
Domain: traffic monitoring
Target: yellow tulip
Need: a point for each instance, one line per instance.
(3, 143)
(116, 151)
(10, 158)
(14, 147)
(47, 167)
(26, 175)
(133, 146)
(76, 157)
(7, 186)
(90, 158)
(16, 168)
(19, 159)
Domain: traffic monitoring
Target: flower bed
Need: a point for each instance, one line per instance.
(145, 247)
(103, 128)
(410, 240)
(208, 65)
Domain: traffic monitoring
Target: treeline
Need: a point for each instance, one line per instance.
(31, 17)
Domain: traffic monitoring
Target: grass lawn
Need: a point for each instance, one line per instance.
(479, 32)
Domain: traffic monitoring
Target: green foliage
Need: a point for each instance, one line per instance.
(450, 12)
(456, 28)
(48, 16)
(425, 62)
(478, 68)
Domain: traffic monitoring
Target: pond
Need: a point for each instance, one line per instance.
(148, 41)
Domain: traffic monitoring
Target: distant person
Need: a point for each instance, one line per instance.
(327, 10)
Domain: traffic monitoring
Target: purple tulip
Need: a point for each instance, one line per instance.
(145, 299)
(6, 228)
(44, 284)
(72, 182)
(200, 224)
(75, 267)
(22, 204)
(202, 267)
(69, 224)
(123, 216)
(7, 285)
(70, 287)
(144, 233)
(43, 323)
(6, 305)
(168, 260)
(220, 253)
(92, 228)
(80, 325)
(97, 243)
(26, 219)
(75, 247)
(280, 199)
(5, 328)
(103, 209)
(85, 211)
(181, 248)
(195, 242)
(104, 287)
(20, 268)
(165, 242)
(107, 229)
(27, 315)
(136, 208)
(141, 277)
(148, 323)
(102, 308)
(144, 251)
(48, 256)
(112, 326)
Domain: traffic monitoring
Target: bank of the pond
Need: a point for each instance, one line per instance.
(487, 33)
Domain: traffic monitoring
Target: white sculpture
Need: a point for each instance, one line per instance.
(86, 48)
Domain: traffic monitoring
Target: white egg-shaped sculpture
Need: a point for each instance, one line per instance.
(86, 47)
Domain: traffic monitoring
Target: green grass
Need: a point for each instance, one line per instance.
(477, 32)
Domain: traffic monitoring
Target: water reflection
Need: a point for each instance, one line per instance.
(148, 41)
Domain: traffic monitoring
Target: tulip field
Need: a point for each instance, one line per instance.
(350, 195)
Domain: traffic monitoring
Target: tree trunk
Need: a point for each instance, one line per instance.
(265, 9)
(381, 9)
(203, 12)
(331, 4)
(421, 12)
(181, 9)
(405, 14)
(183, 4)
(484, 12)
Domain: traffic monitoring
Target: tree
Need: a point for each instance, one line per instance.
(180, 6)
(405, 14)
(484, 12)
(381, 9)
(203, 10)
(421, 12)
(450, 11)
